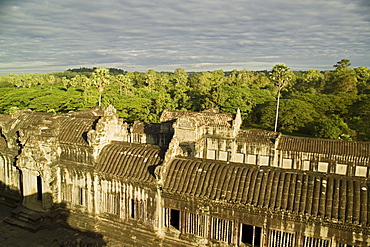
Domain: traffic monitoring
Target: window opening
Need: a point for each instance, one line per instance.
(39, 188)
(309, 241)
(132, 208)
(221, 230)
(175, 219)
(251, 235)
(81, 197)
(171, 218)
(197, 224)
(278, 238)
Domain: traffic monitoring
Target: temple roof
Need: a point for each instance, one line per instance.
(324, 146)
(319, 195)
(130, 161)
(70, 128)
(304, 144)
(257, 136)
(23, 119)
(90, 113)
(73, 130)
(202, 118)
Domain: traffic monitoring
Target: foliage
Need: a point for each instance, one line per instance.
(311, 81)
(294, 115)
(342, 64)
(359, 117)
(363, 80)
(100, 78)
(281, 76)
(326, 104)
(332, 128)
(131, 109)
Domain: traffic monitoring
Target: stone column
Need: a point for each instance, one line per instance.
(265, 229)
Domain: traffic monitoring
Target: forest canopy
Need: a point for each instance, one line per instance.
(326, 104)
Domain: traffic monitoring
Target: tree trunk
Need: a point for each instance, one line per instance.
(277, 110)
(100, 98)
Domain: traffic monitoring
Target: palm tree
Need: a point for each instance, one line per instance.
(51, 81)
(280, 76)
(100, 78)
(123, 81)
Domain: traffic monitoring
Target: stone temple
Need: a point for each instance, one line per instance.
(194, 179)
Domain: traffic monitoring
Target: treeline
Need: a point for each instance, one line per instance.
(327, 104)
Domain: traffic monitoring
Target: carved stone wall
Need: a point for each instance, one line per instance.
(196, 179)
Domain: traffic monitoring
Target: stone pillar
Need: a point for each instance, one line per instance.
(233, 151)
(59, 185)
(264, 238)
(96, 193)
(4, 171)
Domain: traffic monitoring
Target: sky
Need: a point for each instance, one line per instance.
(42, 36)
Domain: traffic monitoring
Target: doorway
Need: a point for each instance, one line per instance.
(39, 188)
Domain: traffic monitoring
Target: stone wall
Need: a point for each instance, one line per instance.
(195, 179)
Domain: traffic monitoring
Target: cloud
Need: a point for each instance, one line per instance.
(163, 34)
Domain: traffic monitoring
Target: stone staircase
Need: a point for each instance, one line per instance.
(29, 219)
(9, 199)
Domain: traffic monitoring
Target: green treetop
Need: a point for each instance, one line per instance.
(280, 76)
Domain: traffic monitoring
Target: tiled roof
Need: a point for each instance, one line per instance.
(131, 161)
(202, 118)
(90, 113)
(76, 154)
(324, 146)
(332, 197)
(73, 130)
(26, 119)
(70, 128)
(257, 136)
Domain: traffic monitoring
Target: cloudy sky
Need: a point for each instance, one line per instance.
(40, 36)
